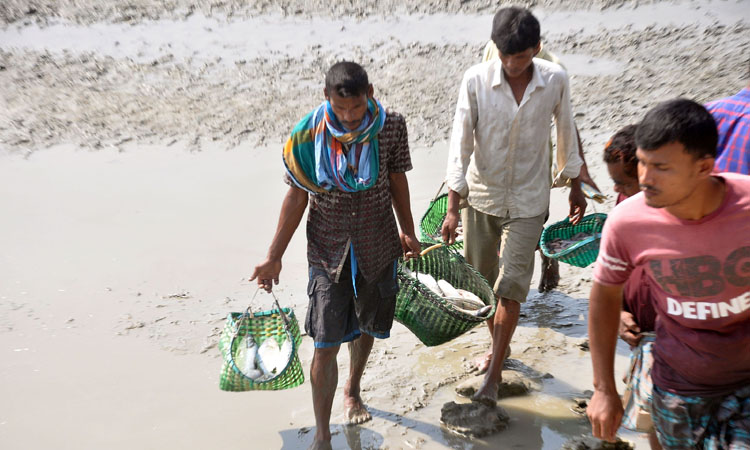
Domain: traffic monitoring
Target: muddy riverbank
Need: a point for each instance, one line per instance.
(142, 181)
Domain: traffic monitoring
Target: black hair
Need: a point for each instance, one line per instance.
(679, 120)
(347, 79)
(515, 30)
(621, 148)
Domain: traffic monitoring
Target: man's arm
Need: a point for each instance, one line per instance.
(630, 332)
(292, 210)
(450, 224)
(549, 56)
(459, 155)
(584, 176)
(605, 409)
(402, 206)
(577, 201)
(568, 157)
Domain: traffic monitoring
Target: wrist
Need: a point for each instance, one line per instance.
(607, 387)
(274, 256)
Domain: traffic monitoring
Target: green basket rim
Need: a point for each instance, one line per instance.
(428, 238)
(289, 335)
(425, 237)
(589, 219)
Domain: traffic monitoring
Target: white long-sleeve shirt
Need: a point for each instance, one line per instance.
(498, 157)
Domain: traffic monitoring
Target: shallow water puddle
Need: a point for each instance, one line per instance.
(542, 420)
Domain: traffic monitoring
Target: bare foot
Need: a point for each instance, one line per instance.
(320, 445)
(550, 274)
(482, 363)
(487, 394)
(356, 411)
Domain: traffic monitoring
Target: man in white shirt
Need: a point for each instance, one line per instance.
(550, 275)
(498, 168)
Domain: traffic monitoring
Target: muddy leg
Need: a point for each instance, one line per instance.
(482, 363)
(359, 351)
(323, 378)
(506, 319)
(550, 274)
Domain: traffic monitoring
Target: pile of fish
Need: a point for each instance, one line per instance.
(460, 299)
(264, 362)
(558, 245)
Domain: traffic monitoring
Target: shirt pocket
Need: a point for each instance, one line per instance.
(311, 287)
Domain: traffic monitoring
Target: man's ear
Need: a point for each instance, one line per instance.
(370, 91)
(706, 166)
(325, 93)
(538, 48)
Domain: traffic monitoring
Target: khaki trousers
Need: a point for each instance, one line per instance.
(510, 273)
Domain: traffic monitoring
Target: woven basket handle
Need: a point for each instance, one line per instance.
(287, 329)
(430, 248)
(248, 312)
(440, 189)
(435, 247)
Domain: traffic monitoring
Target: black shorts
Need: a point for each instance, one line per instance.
(335, 315)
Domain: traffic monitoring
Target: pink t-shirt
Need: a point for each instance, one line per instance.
(700, 280)
(636, 295)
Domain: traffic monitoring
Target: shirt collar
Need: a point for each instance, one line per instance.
(536, 77)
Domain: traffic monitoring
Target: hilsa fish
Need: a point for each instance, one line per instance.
(244, 359)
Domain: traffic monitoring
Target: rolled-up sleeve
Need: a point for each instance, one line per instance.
(567, 142)
(613, 264)
(462, 137)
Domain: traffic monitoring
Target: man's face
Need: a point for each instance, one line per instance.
(624, 183)
(669, 175)
(349, 110)
(517, 64)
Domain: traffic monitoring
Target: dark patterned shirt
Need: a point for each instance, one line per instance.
(364, 219)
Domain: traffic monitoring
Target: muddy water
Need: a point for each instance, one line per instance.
(545, 349)
(119, 267)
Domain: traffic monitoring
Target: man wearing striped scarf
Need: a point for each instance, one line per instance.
(348, 158)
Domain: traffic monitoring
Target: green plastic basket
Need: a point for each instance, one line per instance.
(432, 222)
(430, 317)
(261, 326)
(582, 253)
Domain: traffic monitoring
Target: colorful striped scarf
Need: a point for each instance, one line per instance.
(321, 155)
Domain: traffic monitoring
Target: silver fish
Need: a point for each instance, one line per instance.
(247, 351)
(593, 193)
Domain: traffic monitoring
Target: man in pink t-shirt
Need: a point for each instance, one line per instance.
(689, 231)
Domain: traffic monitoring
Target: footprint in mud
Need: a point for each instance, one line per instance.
(473, 419)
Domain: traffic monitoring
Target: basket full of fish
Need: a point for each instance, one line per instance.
(441, 296)
(259, 351)
(577, 245)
